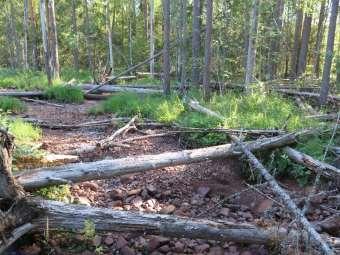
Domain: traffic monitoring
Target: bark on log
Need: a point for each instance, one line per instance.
(113, 88)
(72, 217)
(317, 166)
(330, 98)
(105, 169)
(197, 107)
(285, 198)
(15, 235)
(22, 93)
(42, 102)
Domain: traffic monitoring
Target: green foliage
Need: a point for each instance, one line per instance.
(11, 104)
(25, 133)
(162, 109)
(89, 230)
(73, 76)
(65, 94)
(59, 193)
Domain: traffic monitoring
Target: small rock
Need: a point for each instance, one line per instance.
(121, 242)
(134, 192)
(179, 247)
(126, 178)
(185, 206)
(117, 203)
(157, 241)
(152, 202)
(137, 202)
(203, 191)
(82, 201)
(225, 212)
(152, 190)
(116, 194)
(168, 209)
(97, 240)
(91, 185)
(109, 240)
(127, 251)
(201, 248)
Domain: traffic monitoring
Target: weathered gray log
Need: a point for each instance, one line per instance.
(307, 94)
(285, 198)
(197, 107)
(105, 169)
(15, 235)
(42, 102)
(324, 117)
(22, 93)
(317, 166)
(114, 88)
(72, 217)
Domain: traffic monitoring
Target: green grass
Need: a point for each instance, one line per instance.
(25, 133)
(31, 80)
(59, 193)
(65, 94)
(11, 104)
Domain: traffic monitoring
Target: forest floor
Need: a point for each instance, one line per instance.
(210, 190)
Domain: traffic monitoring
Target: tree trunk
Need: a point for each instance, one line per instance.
(26, 26)
(251, 55)
(88, 37)
(307, 24)
(45, 41)
(275, 42)
(207, 50)
(106, 169)
(152, 36)
(166, 47)
(54, 40)
(297, 39)
(75, 50)
(183, 49)
(329, 53)
(196, 42)
(109, 32)
(319, 37)
(33, 42)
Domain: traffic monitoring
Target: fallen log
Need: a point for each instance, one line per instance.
(42, 102)
(307, 94)
(285, 198)
(316, 166)
(106, 169)
(72, 217)
(197, 107)
(324, 117)
(113, 89)
(15, 235)
(22, 93)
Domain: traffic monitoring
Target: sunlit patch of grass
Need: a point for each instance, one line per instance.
(65, 94)
(59, 193)
(11, 104)
(25, 133)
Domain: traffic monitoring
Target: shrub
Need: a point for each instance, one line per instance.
(60, 193)
(11, 104)
(65, 94)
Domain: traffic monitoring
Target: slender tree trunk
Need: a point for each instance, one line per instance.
(130, 40)
(307, 24)
(75, 35)
(33, 30)
(196, 42)
(329, 53)
(297, 39)
(45, 40)
(144, 7)
(275, 43)
(251, 55)
(319, 37)
(183, 49)
(14, 37)
(26, 21)
(87, 36)
(109, 32)
(166, 47)
(207, 50)
(337, 81)
(152, 36)
(54, 40)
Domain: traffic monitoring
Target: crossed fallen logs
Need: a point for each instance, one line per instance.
(20, 213)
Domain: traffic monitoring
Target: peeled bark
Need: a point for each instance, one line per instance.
(329, 53)
(316, 166)
(307, 25)
(207, 50)
(106, 169)
(196, 42)
(166, 47)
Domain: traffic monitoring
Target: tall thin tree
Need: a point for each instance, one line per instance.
(329, 53)
(53, 40)
(297, 39)
(207, 50)
(75, 50)
(196, 42)
(88, 36)
(26, 30)
(166, 47)
(251, 55)
(152, 36)
(302, 63)
(184, 4)
(109, 32)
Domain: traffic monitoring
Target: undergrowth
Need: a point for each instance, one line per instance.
(11, 104)
(65, 94)
(59, 193)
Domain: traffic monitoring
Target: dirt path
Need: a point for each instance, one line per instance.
(196, 190)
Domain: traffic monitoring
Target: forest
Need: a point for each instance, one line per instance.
(169, 127)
